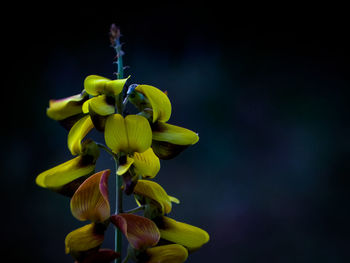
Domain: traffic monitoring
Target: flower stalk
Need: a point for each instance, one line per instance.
(115, 41)
(136, 142)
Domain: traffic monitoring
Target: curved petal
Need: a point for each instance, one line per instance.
(139, 133)
(159, 101)
(132, 134)
(115, 133)
(141, 232)
(123, 168)
(184, 234)
(99, 105)
(115, 87)
(165, 132)
(84, 238)
(155, 192)
(167, 151)
(173, 253)
(58, 177)
(90, 201)
(96, 85)
(67, 107)
(77, 133)
(146, 164)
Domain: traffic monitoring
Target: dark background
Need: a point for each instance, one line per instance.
(267, 91)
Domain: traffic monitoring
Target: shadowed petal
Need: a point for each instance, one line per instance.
(184, 234)
(96, 85)
(123, 168)
(84, 238)
(77, 134)
(165, 132)
(173, 253)
(159, 101)
(146, 164)
(167, 151)
(141, 232)
(90, 201)
(115, 87)
(155, 192)
(59, 176)
(99, 105)
(67, 107)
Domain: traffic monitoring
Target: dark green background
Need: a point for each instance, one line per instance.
(267, 91)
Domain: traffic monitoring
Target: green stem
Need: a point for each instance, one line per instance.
(119, 209)
(119, 192)
(120, 74)
(109, 151)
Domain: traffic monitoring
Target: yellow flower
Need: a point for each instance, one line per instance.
(168, 140)
(89, 202)
(67, 110)
(183, 234)
(104, 92)
(173, 253)
(155, 195)
(66, 177)
(132, 136)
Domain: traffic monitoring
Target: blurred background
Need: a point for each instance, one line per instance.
(267, 92)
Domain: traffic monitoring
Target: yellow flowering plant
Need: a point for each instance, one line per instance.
(136, 142)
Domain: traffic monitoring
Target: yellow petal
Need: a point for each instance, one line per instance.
(67, 107)
(184, 234)
(159, 101)
(155, 192)
(123, 168)
(139, 133)
(146, 164)
(115, 87)
(141, 232)
(65, 173)
(115, 133)
(173, 253)
(77, 133)
(84, 238)
(100, 105)
(165, 132)
(96, 85)
(132, 134)
(174, 200)
(90, 201)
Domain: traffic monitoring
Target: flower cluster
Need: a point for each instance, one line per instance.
(137, 142)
